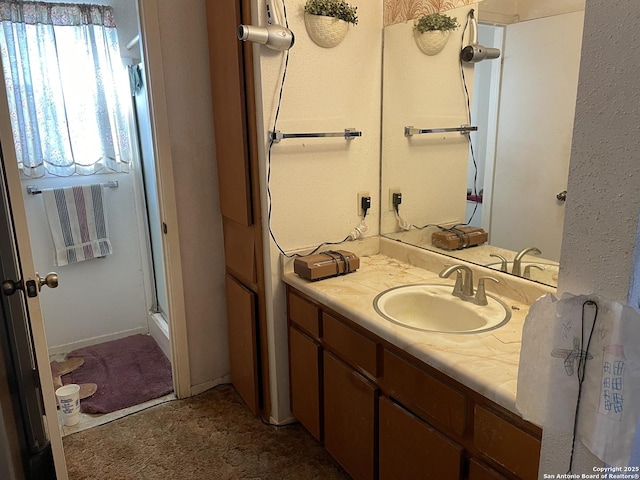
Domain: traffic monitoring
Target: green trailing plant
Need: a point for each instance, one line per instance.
(436, 21)
(333, 8)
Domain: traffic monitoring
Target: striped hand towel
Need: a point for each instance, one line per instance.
(78, 223)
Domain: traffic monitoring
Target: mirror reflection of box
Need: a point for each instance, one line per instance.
(457, 238)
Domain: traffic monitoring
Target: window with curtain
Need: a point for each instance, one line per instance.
(67, 88)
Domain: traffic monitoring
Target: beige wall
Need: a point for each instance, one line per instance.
(315, 182)
(185, 58)
(424, 92)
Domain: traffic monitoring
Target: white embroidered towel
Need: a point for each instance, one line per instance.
(78, 223)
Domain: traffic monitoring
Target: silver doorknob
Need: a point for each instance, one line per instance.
(562, 196)
(50, 280)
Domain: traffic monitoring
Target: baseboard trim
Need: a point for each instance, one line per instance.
(283, 423)
(66, 348)
(203, 387)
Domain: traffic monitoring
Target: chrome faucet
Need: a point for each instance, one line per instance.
(517, 261)
(463, 287)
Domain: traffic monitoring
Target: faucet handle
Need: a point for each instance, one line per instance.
(527, 269)
(503, 261)
(481, 295)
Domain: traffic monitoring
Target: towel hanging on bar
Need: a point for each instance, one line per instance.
(78, 223)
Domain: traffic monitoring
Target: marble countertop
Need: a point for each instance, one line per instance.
(485, 362)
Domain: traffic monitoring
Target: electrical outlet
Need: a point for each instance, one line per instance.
(362, 195)
(391, 192)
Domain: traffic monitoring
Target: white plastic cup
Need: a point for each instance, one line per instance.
(69, 402)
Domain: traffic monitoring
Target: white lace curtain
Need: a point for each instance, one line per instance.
(67, 88)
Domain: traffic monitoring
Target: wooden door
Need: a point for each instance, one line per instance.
(15, 240)
(304, 371)
(349, 418)
(507, 444)
(241, 309)
(234, 115)
(480, 471)
(230, 122)
(411, 449)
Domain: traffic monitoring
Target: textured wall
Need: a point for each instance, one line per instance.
(604, 177)
(604, 174)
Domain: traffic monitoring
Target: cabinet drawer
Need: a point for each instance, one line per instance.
(511, 447)
(411, 449)
(304, 371)
(304, 314)
(426, 396)
(352, 347)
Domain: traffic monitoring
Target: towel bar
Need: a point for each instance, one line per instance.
(34, 190)
(349, 134)
(410, 131)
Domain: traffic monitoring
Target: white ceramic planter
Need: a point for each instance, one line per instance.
(431, 42)
(326, 32)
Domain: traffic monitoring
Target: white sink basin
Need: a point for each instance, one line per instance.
(432, 308)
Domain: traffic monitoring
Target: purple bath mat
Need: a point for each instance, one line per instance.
(128, 371)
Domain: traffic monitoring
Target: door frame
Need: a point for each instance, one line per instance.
(154, 71)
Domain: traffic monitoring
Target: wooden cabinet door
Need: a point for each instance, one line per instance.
(411, 449)
(241, 313)
(304, 371)
(349, 418)
(510, 446)
(480, 471)
(229, 109)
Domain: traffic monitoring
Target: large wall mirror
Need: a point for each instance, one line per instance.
(509, 177)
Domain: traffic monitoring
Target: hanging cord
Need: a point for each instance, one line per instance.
(468, 101)
(582, 363)
(404, 225)
(356, 232)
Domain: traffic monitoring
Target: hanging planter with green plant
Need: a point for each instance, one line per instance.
(327, 21)
(431, 32)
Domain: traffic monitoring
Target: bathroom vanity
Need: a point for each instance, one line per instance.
(390, 402)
